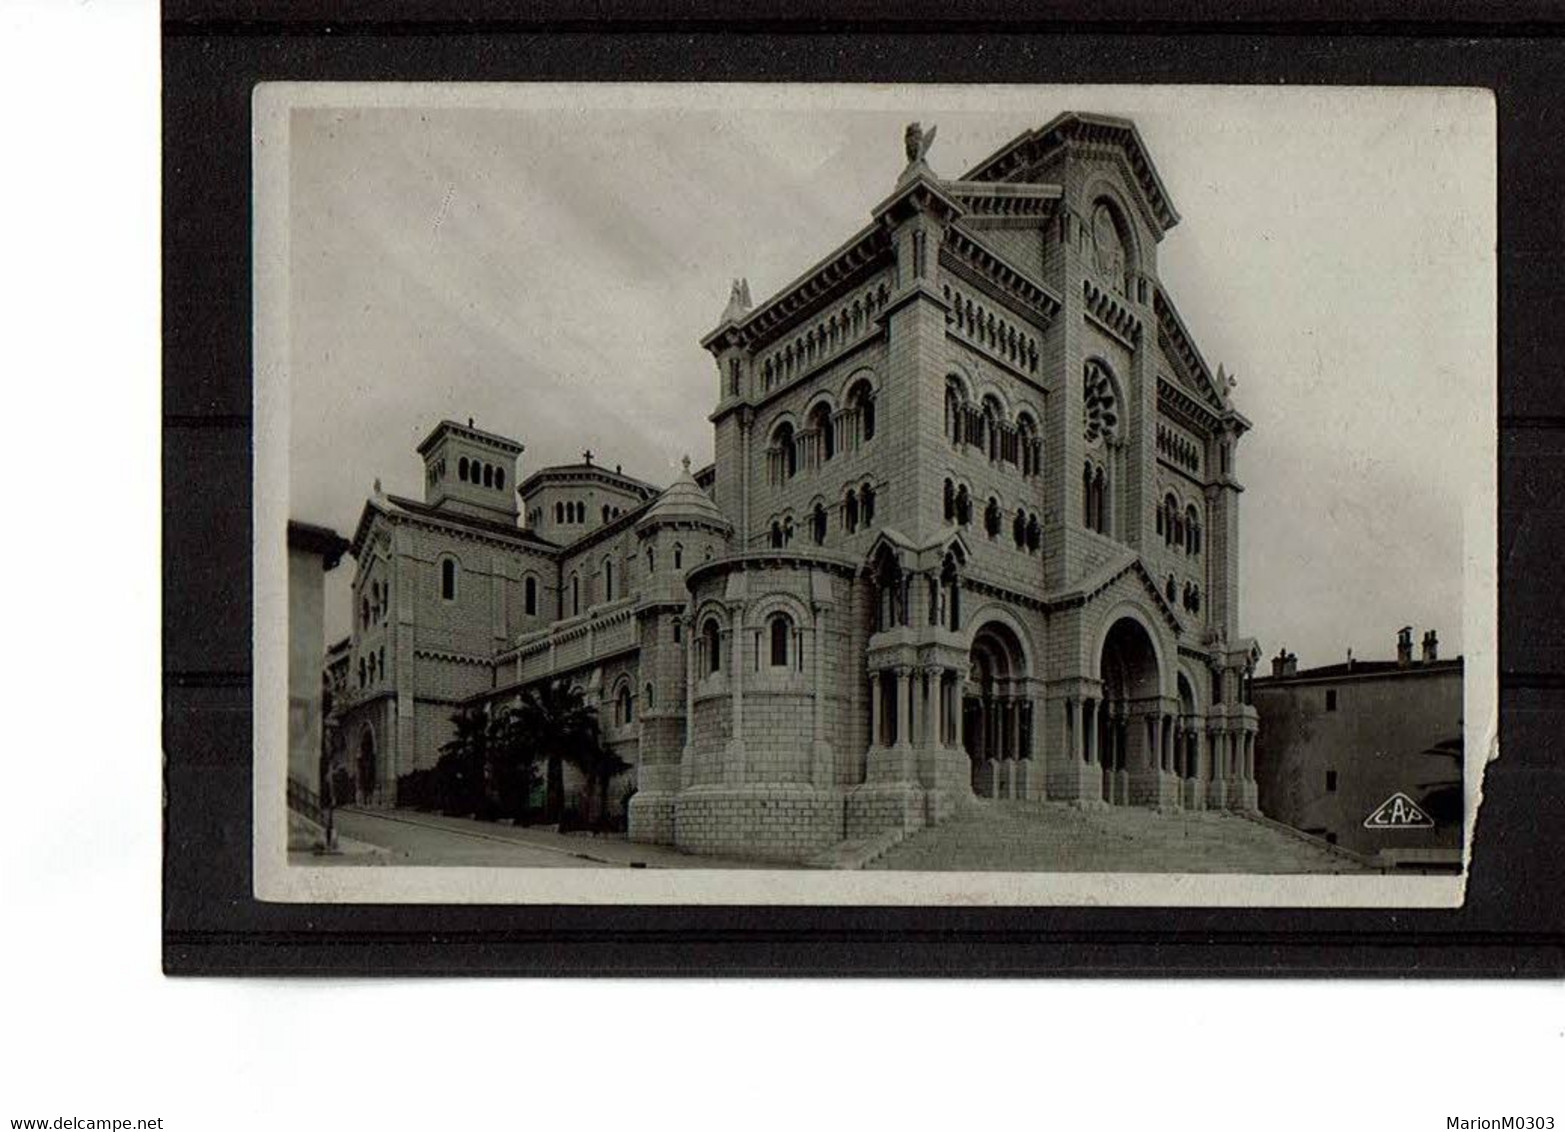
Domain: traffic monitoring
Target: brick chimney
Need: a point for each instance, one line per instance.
(1431, 647)
(1404, 646)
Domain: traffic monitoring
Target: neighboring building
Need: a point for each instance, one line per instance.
(972, 528)
(1339, 742)
(312, 551)
(334, 744)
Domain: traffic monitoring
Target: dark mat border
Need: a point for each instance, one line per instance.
(214, 52)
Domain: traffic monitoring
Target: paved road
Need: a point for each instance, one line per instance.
(411, 838)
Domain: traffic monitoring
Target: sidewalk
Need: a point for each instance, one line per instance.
(585, 850)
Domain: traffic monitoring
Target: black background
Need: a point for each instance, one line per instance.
(213, 54)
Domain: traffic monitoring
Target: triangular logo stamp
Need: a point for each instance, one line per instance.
(1399, 812)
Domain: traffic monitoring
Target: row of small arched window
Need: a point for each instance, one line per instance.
(476, 471)
(1026, 530)
(1189, 596)
(984, 427)
(819, 441)
(1179, 529)
(375, 605)
(782, 649)
(575, 511)
(372, 666)
(857, 510)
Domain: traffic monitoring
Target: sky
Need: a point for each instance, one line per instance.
(546, 259)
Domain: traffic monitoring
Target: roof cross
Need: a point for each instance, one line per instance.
(587, 456)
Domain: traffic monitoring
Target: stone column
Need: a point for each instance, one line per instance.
(875, 736)
(688, 768)
(904, 705)
(733, 770)
(1089, 728)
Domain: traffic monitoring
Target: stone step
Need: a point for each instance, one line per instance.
(1054, 837)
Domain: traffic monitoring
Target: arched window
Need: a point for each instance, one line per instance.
(1192, 530)
(820, 422)
(787, 530)
(1034, 534)
(499, 477)
(955, 403)
(646, 699)
(382, 663)
(784, 453)
(530, 596)
(867, 504)
(364, 611)
(362, 679)
(679, 557)
(1100, 500)
(948, 498)
(608, 579)
(781, 629)
(993, 415)
(1031, 446)
(861, 403)
(1019, 528)
(575, 595)
(818, 525)
(461, 469)
(1100, 403)
(850, 511)
(1168, 588)
(559, 512)
(992, 517)
(951, 591)
(652, 560)
(488, 474)
(1086, 496)
(777, 538)
(964, 506)
(448, 578)
(605, 512)
(711, 645)
(1108, 247)
(1170, 512)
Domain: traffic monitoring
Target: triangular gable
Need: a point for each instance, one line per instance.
(362, 529)
(1096, 584)
(1071, 127)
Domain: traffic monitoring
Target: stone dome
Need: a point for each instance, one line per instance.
(683, 502)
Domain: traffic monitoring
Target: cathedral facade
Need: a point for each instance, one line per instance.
(971, 531)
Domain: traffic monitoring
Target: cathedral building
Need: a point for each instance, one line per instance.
(971, 532)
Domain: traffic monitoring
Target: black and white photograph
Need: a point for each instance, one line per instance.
(920, 569)
(1015, 492)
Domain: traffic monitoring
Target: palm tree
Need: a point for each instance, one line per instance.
(598, 763)
(556, 721)
(513, 763)
(462, 773)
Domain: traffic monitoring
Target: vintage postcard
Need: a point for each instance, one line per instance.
(927, 495)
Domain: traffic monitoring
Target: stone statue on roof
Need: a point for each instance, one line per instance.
(739, 303)
(918, 142)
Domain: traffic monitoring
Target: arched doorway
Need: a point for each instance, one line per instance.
(997, 711)
(1119, 736)
(366, 766)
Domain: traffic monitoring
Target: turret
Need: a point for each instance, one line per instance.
(471, 471)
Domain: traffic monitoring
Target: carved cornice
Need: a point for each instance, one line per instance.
(844, 267)
(968, 250)
(454, 657)
(1180, 348)
(1078, 129)
(1111, 312)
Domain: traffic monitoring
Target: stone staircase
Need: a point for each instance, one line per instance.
(1056, 837)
